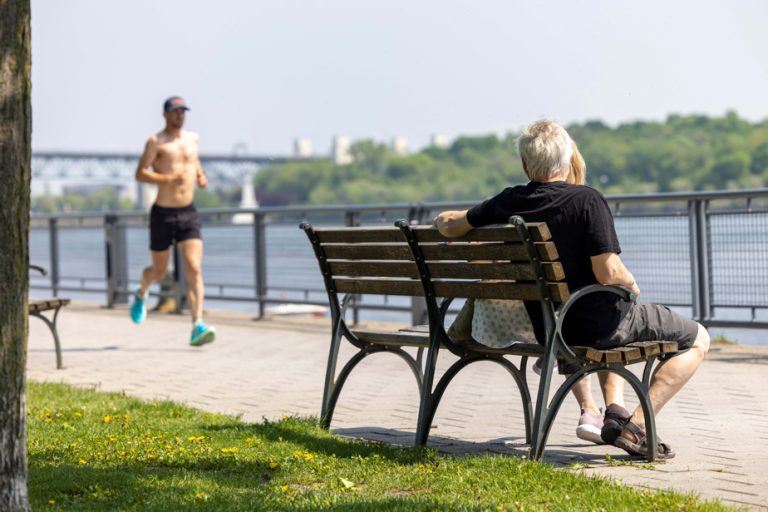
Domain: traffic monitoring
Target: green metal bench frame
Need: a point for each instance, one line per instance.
(38, 307)
(407, 261)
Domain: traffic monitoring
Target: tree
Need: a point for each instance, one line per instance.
(15, 165)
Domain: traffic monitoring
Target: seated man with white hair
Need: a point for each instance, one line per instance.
(583, 231)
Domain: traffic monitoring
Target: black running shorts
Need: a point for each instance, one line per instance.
(169, 225)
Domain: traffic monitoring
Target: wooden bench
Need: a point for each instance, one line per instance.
(517, 261)
(38, 307)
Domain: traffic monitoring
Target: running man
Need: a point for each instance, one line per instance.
(171, 161)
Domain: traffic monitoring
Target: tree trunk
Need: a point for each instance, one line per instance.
(15, 157)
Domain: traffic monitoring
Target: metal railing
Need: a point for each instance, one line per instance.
(703, 252)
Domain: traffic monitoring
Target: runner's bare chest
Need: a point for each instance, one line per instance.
(180, 151)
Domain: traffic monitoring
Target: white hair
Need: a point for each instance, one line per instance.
(546, 149)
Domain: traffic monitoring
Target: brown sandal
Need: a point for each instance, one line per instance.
(640, 446)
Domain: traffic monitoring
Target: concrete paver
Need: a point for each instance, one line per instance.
(718, 424)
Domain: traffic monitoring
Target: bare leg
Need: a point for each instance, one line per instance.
(156, 272)
(582, 391)
(671, 376)
(612, 386)
(192, 255)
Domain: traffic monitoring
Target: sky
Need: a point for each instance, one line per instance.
(259, 74)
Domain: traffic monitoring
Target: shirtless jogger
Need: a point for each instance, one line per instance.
(170, 160)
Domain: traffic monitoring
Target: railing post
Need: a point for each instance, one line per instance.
(53, 247)
(693, 240)
(260, 260)
(116, 248)
(705, 267)
(701, 264)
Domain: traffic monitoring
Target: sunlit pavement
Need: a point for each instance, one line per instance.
(718, 424)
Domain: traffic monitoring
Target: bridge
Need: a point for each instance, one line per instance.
(57, 173)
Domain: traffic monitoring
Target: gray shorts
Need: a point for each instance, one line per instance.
(647, 322)
(652, 322)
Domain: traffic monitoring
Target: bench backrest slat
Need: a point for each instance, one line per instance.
(379, 286)
(498, 290)
(442, 270)
(466, 289)
(538, 230)
(359, 235)
(441, 252)
(490, 262)
(399, 252)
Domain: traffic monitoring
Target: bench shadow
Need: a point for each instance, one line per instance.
(558, 455)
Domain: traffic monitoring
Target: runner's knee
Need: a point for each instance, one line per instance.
(193, 269)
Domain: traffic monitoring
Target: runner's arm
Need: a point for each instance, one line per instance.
(202, 179)
(145, 173)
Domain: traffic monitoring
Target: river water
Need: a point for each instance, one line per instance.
(656, 250)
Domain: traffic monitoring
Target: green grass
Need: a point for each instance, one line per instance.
(721, 339)
(96, 451)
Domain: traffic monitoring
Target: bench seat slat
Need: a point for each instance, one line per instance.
(45, 305)
(634, 352)
(393, 338)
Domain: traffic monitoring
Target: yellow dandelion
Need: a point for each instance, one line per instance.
(284, 488)
(82, 462)
(107, 419)
(51, 503)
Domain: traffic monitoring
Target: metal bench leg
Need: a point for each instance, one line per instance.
(426, 406)
(542, 401)
(553, 408)
(329, 388)
(52, 326)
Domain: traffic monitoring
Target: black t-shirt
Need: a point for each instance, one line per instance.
(582, 226)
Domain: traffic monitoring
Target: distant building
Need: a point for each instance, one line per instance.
(302, 148)
(439, 140)
(340, 154)
(400, 145)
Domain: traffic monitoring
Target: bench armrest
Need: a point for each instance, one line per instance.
(562, 311)
(39, 269)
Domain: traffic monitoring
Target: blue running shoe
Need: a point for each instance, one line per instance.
(202, 334)
(138, 309)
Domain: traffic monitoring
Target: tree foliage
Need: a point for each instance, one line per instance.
(683, 153)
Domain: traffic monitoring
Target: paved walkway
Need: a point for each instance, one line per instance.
(718, 424)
